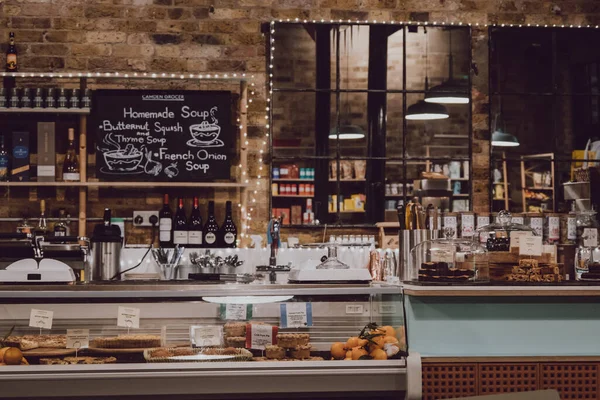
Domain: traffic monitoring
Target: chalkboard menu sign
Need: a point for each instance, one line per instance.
(179, 136)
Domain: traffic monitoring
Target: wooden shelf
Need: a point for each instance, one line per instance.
(348, 180)
(460, 179)
(348, 212)
(394, 195)
(460, 195)
(16, 110)
(293, 195)
(542, 188)
(293, 180)
(125, 184)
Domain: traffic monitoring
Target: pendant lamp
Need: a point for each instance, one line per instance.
(452, 91)
(347, 131)
(503, 139)
(422, 111)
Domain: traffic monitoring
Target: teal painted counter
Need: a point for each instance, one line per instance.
(510, 321)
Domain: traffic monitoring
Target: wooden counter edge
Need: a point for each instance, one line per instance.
(571, 291)
(508, 359)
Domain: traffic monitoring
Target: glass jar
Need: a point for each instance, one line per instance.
(449, 261)
(497, 235)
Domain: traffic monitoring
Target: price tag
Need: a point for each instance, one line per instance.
(206, 335)
(236, 312)
(41, 318)
(296, 315)
(387, 308)
(530, 246)
(78, 338)
(467, 223)
(590, 237)
(515, 238)
(260, 336)
(442, 252)
(482, 221)
(354, 309)
(128, 317)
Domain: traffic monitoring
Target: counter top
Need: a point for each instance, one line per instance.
(169, 289)
(566, 290)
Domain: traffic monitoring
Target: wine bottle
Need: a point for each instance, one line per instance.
(71, 164)
(211, 228)
(180, 228)
(195, 226)
(228, 234)
(42, 226)
(11, 54)
(60, 228)
(165, 223)
(3, 161)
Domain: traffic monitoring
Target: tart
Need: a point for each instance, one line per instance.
(233, 329)
(236, 341)
(274, 352)
(127, 342)
(300, 352)
(29, 342)
(292, 340)
(78, 360)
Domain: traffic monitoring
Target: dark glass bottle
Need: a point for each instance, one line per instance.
(165, 224)
(60, 228)
(195, 226)
(11, 54)
(180, 226)
(211, 228)
(228, 234)
(3, 161)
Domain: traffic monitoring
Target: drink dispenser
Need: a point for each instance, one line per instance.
(106, 250)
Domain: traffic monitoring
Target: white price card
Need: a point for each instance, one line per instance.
(530, 246)
(260, 336)
(590, 237)
(78, 338)
(235, 312)
(515, 238)
(296, 315)
(354, 309)
(41, 318)
(206, 335)
(128, 317)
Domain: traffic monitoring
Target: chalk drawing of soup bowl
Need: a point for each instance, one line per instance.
(123, 160)
(205, 132)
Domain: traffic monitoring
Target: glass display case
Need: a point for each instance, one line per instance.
(449, 260)
(198, 339)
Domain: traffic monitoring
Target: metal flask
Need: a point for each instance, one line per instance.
(106, 251)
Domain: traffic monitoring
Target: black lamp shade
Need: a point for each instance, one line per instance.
(501, 139)
(347, 132)
(449, 92)
(426, 111)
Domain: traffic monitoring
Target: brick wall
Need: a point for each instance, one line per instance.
(224, 35)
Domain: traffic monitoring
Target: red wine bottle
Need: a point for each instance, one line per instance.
(165, 223)
(195, 227)
(211, 228)
(228, 234)
(180, 228)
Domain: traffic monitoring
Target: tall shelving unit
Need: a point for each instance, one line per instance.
(241, 180)
(531, 164)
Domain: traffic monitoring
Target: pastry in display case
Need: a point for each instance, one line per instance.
(517, 254)
(449, 260)
(244, 331)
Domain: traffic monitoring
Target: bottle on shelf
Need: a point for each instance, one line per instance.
(71, 164)
(42, 226)
(195, 226)
(211, 228)
(61, 228)
(3, 161)
(228, 235)
(11, 54)
(180, 226)
(308, 217)
(165, 224)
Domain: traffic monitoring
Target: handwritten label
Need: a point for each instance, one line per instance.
(442, 252)
(296, 315)
(128, 317)
(78, 338)
(530, 246)
(467, 223)
(515, 237)
(206, 335)
(590, 237)
(236, 312)
(167, 136)
(261, 336)
(41, 318)
(354, 309)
